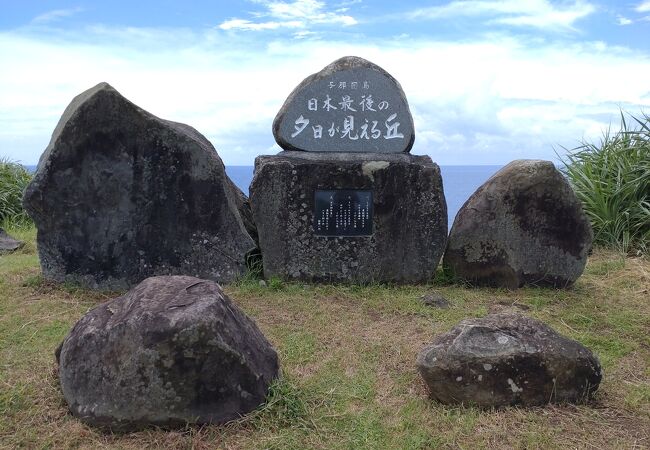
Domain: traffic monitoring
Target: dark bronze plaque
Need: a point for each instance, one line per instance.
(343, 212)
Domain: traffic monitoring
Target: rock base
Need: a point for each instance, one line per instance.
(408, 220)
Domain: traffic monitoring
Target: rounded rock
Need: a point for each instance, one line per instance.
(174, 350)
(524, 225)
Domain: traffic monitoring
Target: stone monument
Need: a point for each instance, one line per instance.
(345, 201)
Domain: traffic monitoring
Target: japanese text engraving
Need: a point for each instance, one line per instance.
(343, 212)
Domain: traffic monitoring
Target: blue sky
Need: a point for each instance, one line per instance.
(488, 81)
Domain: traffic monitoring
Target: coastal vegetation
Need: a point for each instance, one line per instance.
(612, 179)
(14, 178)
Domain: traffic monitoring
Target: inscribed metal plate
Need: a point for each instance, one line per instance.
(343, 212)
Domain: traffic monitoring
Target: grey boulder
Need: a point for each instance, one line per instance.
(173, 350)
(524, 225)
(8, 244)
(507, 359)
(120, 195)
(436, 300)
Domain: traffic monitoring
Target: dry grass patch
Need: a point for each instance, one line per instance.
(348, 356)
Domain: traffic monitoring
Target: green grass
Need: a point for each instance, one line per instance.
(612, 179)
(14, 178)
(348, 362)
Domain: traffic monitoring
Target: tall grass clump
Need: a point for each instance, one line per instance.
(14, 178)
(612, 179)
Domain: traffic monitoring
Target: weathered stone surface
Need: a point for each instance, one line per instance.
(507, 359)
(8, 244)
(120, 195)
(436, 300)
(409, 225)
(354, 92)
(523, 226)
(173, 350)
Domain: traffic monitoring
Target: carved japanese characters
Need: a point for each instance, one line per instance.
(352, 105)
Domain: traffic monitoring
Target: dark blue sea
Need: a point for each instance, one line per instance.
(459, 182)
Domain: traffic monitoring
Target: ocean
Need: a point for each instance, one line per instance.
(459, 182)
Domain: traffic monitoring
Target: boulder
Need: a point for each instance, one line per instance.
(393, 229)
(352, 105)
(8, 244)
(173, 350)
(507, 359)
(523, 226)
(120, 195)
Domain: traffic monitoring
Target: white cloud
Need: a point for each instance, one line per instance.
(303, 34)
(620, 20)
(480, 102)
(540, 14)
(296, 14)
(54, 16)
(643, 7)
(247, 25)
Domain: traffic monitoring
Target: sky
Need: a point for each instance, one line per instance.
(487, 81)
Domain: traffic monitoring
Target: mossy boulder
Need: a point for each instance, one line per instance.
(524, 226)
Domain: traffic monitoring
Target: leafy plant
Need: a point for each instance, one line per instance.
(276, 283)
(14, 178)
(612, 179)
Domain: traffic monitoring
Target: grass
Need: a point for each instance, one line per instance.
(347, 355)
(14, 178)
(612, 179)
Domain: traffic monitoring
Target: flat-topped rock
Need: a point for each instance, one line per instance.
(349, 217)
(120, 195)
(352, 105)
(507, 359)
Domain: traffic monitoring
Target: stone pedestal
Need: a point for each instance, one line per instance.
(386, 220)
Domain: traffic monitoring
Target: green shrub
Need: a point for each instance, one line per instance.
(14, 178)
(612, 179)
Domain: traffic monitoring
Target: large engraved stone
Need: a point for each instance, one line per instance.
(400, 237)
(523, 226)
(352, 105)
(120, 195)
